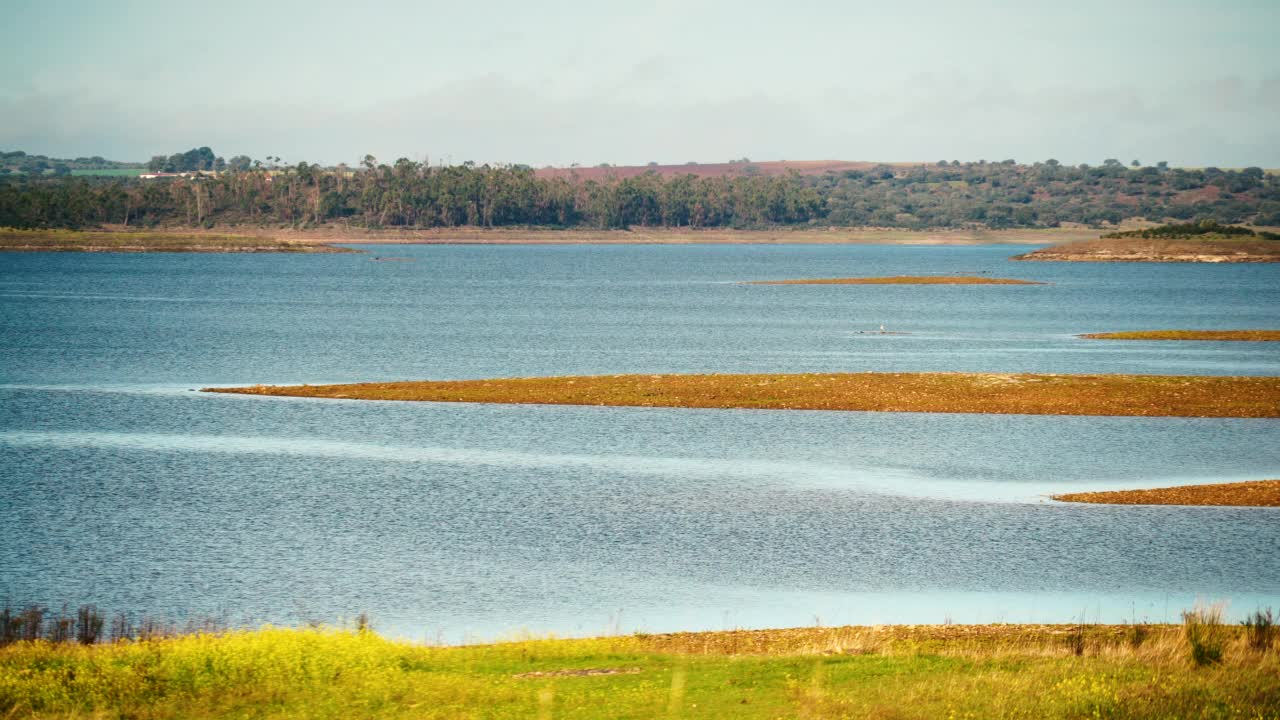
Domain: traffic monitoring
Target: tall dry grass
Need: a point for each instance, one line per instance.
(1260, 630)
(1205, 634)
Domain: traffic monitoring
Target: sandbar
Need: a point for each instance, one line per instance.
(901, 280)
(1254, 493)
(996, 393)
(1215, 335)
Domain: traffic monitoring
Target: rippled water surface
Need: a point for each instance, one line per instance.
(121, 486)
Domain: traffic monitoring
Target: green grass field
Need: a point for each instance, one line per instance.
(888, 673)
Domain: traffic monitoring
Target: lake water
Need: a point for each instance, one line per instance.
(121, 486)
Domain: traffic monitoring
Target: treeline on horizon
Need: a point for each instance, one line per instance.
(409, 194)
(17, 161)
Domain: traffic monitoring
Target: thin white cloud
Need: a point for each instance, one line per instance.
(491, 118)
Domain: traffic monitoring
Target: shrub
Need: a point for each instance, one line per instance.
(1075, 640)
(88, 625)
(1260, 630)
(1138, 635)
(25, 624)
(1205, 634)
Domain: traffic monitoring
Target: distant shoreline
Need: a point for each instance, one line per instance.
(687, 236)
(1062, 244)
(986, 393)
(325, 239)
(151, 242)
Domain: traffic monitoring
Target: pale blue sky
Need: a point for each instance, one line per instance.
(557, 82)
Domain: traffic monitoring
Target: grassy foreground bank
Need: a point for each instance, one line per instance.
(1254, 493)
(1140, 671)
(1217, 335)
(1133, 395)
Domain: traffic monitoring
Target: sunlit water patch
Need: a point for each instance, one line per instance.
(682, 470)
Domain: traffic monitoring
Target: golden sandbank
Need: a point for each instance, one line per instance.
(901, 280)
(1255, 493)
(1223, 335)
(998, 393)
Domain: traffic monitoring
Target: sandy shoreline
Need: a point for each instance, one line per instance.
(234, 238)
(685, 236)
(129, 241)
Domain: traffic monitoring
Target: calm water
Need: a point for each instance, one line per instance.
(120, 486)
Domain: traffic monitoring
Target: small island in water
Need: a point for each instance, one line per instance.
(902, 280)
(1214, 335)
(994, 393)
(1205, 241)
(1254, 493)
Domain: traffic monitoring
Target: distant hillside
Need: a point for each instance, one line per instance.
(20, 162)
